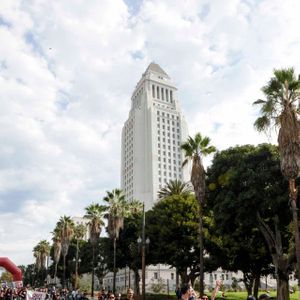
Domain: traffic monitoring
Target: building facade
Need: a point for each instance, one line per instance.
(151, 138)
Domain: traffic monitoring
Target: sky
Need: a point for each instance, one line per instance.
(67, 71)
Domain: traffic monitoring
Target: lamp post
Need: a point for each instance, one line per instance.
(142, 242)
(77, 261)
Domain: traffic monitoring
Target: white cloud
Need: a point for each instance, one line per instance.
(66, 77)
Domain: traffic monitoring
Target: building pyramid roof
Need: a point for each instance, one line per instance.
(153, 67)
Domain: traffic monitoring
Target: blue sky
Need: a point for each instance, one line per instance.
(66, 77)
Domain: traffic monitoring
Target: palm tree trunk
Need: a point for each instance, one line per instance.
(64, 275)
(201, 250)
(293, 196)
(55, 272)
(76, 263)
(93, 270)
(115, 273)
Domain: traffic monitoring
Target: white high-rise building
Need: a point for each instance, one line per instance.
(151, 138)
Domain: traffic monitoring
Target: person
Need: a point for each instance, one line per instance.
(215, 291)
(186, 292)
(264, 297)
(111, 296)
(177, 292)
(102, 295)
(130, 294)
(84, 296)
(118, 297)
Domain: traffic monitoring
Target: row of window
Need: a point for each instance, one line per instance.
(165, 180)
(168, 140)
(162, 93)
(138, 93)
(167, 121)
(169, 154)
(163, 114)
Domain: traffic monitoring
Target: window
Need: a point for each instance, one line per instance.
(155, 275)
(157, 92)
(162, 94)
(167, 95)
(172, 276)
(153, 91)
(171, 96)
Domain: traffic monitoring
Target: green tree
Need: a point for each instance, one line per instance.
(6, 277)
(281, 109)
(95, 214)
(247, 196)
(56, 238)
(128, 254)
(195, 149)
(79, 233)
(41, 252)
(172, 226)
(65, 229)
(174, 187)
(118, 209)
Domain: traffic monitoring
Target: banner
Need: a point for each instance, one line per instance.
(33, 295)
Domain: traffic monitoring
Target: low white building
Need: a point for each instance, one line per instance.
(161, 277)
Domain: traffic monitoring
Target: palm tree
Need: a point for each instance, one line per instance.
(174, 187)
(56, 249)
(41, 252)
(65, 227)
(281, 110)
(194, 149)
(95, 214)
(135, 206)
(118, 209)
(79, 233)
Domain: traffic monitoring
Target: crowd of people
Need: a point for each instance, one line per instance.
(103, 295)
(53, 293)
(186, 292)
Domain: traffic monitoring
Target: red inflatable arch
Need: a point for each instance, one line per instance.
(12, 268)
